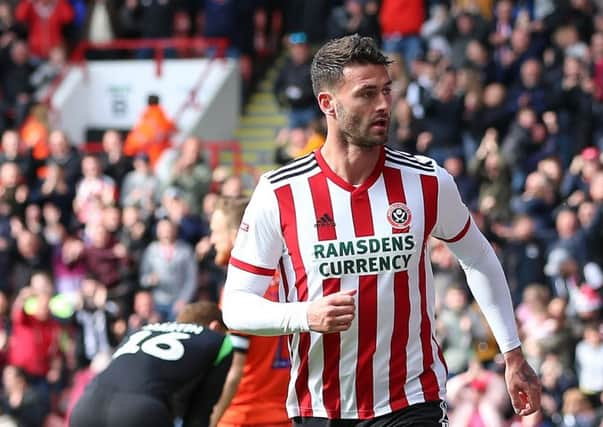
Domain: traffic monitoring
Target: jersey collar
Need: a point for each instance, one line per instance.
(346, 185)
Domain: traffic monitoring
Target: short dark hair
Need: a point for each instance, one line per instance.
(201, 313)
(333, 56)
(153, 99)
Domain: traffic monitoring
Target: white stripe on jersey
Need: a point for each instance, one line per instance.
(414, 353)
(349, 345)
(385, 308)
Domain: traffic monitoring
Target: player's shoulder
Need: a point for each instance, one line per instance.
(411, 162)
(295, 169)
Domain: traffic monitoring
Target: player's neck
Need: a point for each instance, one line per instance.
(352, 163)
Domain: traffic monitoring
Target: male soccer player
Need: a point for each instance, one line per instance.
(185, 362)
(257, 381)
(348, 227)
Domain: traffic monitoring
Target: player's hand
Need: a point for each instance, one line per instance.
(333, 313)
(522, 383)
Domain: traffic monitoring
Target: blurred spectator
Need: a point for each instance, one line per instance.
(53, 230)
(520, 48)
(13, 152)
(405, 127)
(20, 401)
(490, 168)
(13, 191)
(64, 155)
(53, 188)
(291, 145)
(577, 410)
(29, 257)
(402, 36)
(569, 235)
(144, 311)
(529, 91)
(94, 191)
(46, 20)
(92, 319)
(501, 27)
(232, 186)
(152, 133)
(16, 85)
(107, 260)
(589, 361)
(577, 181)
(477, 57)
(477, 397)
(442, 122)
(191, 227)
(113, 161)
(556, 380)
(572, 98)
(189, 173)
(293, 86)
(467, 186)
(134, 234)
(34, 132)
(457, 326)
(169, 270)
(140, 187)
(462, 29)
(34, 341)
(523, 254)
(537, 200)
(354, 17)
(68, 269)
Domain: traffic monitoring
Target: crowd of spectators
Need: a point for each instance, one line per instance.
(506, 95)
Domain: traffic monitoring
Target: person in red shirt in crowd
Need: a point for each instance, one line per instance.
(259, 374)
(45, 20)
(402, 36)
(34, 342)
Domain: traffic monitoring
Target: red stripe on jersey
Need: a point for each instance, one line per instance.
(367, 312)
(429, 381)
(325, 229)
(397, 359)
(250, 268)
(284, 197)
(460, 234)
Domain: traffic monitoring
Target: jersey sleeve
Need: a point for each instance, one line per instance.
(259, 243)
(258, 247)
(453, 218)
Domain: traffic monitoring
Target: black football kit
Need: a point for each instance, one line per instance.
(157, 372)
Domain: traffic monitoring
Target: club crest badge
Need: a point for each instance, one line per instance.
(398, 215)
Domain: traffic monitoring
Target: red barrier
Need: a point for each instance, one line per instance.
(157, 45)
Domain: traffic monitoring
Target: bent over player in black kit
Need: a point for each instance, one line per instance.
(185, 362)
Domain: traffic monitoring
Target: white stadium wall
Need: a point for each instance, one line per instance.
(112, 94)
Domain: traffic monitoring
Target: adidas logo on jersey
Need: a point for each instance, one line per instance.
(325, 221)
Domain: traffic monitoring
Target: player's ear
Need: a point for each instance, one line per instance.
(217, 326)
(326, 102)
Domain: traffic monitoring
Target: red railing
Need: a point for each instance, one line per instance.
(158, 46)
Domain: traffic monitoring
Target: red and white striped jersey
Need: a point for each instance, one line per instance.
(326, 235)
